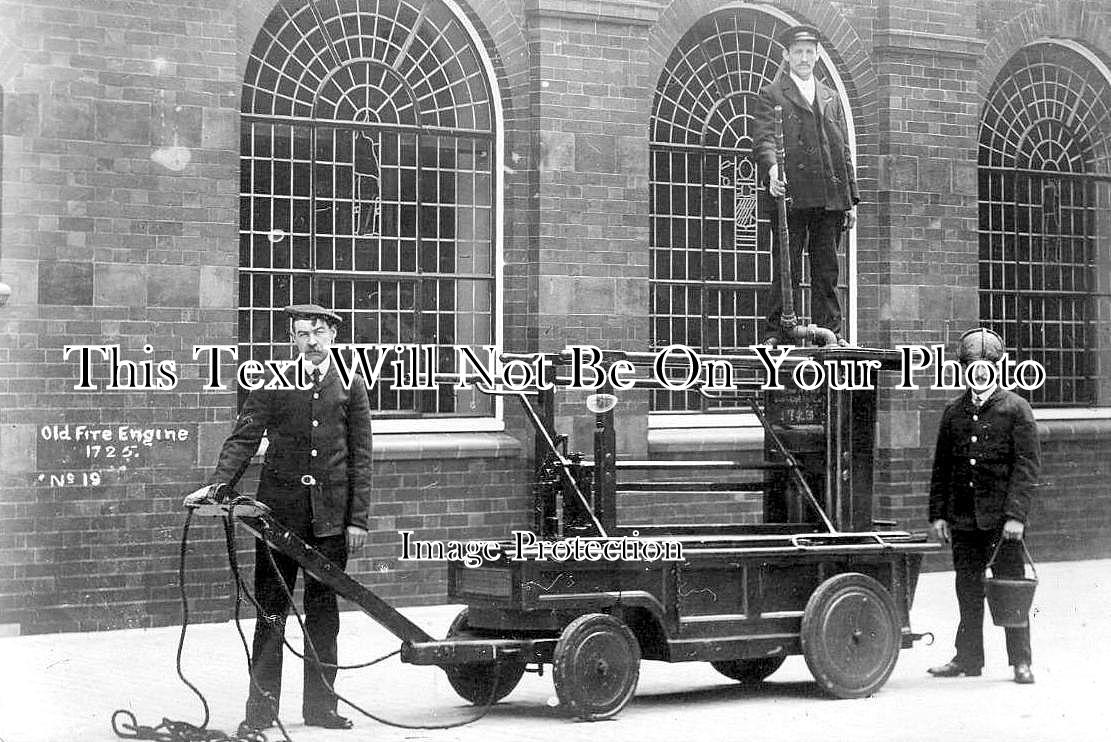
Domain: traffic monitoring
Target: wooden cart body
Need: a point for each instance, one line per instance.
(733, 597)
(815, 574)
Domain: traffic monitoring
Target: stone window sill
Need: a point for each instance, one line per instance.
(672, 442)
(471, 445)
(1074, 429)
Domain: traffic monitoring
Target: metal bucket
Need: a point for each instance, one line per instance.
(1009, 598)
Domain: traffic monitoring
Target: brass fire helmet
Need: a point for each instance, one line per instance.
(980, 343)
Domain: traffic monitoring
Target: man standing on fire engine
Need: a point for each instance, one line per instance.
(818, 177)
(984, 473)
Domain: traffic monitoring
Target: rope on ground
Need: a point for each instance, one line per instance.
(126, 725)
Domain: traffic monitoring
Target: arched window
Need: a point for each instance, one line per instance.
(710, 243)
(369, 183)
(1044, 177)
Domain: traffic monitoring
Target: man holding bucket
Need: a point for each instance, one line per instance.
(984, 473)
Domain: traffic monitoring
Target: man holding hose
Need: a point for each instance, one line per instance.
(818, 177)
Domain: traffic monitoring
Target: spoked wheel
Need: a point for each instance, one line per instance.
(595, 666)
(850, 635)
(481, 682)
(751, 671)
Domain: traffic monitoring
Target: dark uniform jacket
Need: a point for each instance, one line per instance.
(322, 433)
(986, 463)
(811, 152)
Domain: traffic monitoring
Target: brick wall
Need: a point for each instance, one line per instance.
(119, 195)
(590, 97)
(1071, 512)
(926, 221)
(120, 213)
(590, 103)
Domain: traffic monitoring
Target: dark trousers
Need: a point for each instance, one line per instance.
(971, 552)
(818, 231)
(321, 627)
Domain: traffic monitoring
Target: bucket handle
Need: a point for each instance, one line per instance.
(1025, 552)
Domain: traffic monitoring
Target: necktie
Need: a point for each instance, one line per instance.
(315, 377)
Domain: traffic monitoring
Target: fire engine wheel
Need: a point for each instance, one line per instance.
(851, 635)
(481, 682)
(748, 672)
(595, 666)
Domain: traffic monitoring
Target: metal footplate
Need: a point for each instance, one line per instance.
(466, 651)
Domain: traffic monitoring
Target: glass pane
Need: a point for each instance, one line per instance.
(340, 206)
(1039, 138)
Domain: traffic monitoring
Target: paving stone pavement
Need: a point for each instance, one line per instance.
(64, 687)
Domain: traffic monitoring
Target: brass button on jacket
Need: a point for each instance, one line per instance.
(986, 462)
(335, 453)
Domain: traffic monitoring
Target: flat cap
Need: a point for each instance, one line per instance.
(802, 32)
(311, 311)
(980, 342)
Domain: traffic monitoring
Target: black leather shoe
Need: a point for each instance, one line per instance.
(952, 670)
(329, 720)
(1023, 675)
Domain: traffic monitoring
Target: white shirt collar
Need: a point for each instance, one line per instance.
(978, 398)
(808, 88)
(323, 367)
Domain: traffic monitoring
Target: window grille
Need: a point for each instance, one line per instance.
(1043, 183)
(368, 184)
(710, 233)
